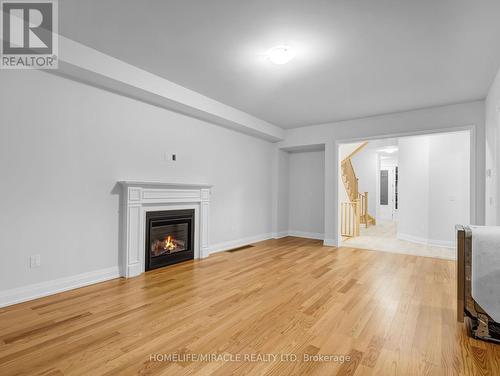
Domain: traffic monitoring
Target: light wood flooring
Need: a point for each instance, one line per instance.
(391, 314)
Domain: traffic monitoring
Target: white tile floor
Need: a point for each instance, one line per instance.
(382, 237)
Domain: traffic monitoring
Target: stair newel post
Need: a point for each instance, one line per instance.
(357, 216)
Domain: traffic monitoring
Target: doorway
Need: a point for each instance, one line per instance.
(418, 188)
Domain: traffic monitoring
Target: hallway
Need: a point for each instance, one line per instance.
(383, 237)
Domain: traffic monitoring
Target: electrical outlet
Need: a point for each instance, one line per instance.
(35, 261)
(170, 157)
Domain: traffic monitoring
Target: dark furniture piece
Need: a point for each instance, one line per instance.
(482, 326)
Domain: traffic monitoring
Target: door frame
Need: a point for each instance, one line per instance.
(472, 163)
(392, 181)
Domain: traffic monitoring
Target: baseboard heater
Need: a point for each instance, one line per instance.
(478, 280)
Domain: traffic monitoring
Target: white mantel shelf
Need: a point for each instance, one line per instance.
(140, 197)
(132, 183)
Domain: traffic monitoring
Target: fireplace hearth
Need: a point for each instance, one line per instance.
(169, 237)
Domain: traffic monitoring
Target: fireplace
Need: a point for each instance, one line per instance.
(138, 198)
(169, 237)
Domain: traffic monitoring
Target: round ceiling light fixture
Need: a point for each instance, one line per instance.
(389, 149)
(281, 54)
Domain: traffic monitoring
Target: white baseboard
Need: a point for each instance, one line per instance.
(307, 235)
(46, 288)
(221, 247)
(279, 235)
(423, 241)
(330, 243)
(39, 290)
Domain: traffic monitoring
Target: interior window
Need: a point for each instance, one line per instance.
(384, 187)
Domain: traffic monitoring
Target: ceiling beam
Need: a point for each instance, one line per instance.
(85, 64)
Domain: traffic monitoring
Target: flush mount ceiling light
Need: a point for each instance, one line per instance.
(281, 54)
(389, 149)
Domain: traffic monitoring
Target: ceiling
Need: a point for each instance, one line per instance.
(355, 58)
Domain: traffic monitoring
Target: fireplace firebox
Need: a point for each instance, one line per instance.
(169, 237)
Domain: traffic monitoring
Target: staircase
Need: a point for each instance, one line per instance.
(355, 212)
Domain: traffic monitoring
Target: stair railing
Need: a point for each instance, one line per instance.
(350, 218)
(355, 211)
(351, 182)
(363, 198)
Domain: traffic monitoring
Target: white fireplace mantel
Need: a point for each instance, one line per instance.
(139, 197)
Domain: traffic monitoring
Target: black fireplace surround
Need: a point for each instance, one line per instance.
(169, 237)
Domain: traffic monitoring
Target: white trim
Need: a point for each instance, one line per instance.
(307, 235)
(39, 290)
(280, 235)
(472, 162)
(85, 64)
(330, 243)
(424, 241)
(139, 197)
(221, 247)
(420, 132)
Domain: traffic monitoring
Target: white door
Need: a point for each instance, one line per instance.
(387, 193)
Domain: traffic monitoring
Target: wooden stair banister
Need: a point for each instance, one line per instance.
(355, 211)
(350, 179)
(356, 151)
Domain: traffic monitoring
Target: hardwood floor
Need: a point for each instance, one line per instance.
(391, 314)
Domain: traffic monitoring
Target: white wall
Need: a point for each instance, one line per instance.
(436, 119)
(283, 193)
(492, 153)
(433, 187)
(306, 193)
(449, 185)
(344, 150)
(64, 145)
(347, 149)
(85, 64)
(413, 184)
